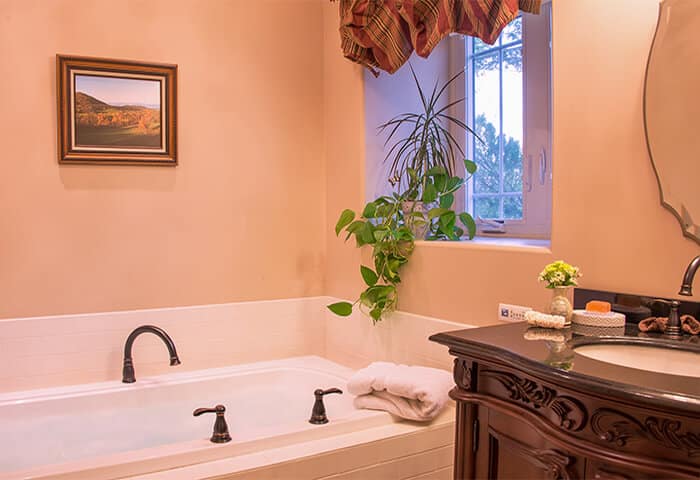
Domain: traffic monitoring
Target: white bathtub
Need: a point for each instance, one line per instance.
(112, 430)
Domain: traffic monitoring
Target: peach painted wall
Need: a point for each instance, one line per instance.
(241, 217)
(607, 218)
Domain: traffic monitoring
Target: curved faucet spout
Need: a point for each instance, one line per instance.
(687, 286)
(128, 370)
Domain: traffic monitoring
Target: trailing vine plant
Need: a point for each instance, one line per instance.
(423, 174)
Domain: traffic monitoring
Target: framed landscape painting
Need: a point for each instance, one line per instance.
(116, 111)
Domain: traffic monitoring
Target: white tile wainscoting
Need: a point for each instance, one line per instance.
(51, 351)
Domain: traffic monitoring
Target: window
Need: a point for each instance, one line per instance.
(507, 90)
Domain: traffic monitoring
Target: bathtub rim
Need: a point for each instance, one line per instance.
(313, 363)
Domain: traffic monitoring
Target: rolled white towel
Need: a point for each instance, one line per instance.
(413, 393)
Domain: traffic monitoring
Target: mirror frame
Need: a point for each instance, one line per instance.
(687, 229)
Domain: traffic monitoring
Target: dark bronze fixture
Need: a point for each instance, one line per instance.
(318, 414)
(673, 326)
(220, 434)
(687, 286)
(128, 370)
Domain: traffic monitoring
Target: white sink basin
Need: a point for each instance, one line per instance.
(645, 357)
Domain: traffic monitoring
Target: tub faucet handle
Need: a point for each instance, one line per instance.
(220, 434)
(318, 413)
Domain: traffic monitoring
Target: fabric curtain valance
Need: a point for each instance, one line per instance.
(382, 34)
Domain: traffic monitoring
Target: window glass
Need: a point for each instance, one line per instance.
(498, 116)
(508, 103)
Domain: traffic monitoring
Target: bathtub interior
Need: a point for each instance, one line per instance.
(264, 400)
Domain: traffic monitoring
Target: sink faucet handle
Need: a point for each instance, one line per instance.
(318, 413)
(321, 393)
(220, 434)
(673, 326)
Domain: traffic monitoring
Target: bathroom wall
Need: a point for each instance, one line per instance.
(243, 215)
(606, 216)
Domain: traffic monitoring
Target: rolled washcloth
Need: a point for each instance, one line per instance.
(545, 321)
(413, 393)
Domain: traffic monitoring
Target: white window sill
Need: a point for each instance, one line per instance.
(533, 245)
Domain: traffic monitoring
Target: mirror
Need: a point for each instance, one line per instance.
(672, 110)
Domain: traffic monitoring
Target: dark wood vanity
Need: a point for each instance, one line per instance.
(529, 407)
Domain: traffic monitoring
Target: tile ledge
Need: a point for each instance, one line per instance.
(534, 245)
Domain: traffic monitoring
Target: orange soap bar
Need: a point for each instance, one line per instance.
(598, 306)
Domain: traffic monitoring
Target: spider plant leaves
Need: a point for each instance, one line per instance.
(345, 219)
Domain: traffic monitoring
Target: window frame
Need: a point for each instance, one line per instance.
(537, 124)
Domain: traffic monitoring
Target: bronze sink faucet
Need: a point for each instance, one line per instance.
(673, 327)
(687, 286)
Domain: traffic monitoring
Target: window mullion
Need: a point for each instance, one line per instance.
(500, 132)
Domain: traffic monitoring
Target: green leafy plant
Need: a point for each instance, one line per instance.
(423, 176)
(429, 143)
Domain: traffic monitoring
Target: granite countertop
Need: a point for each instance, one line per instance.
(551, 354)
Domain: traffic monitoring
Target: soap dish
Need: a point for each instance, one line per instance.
(596, 331)
(598, 319)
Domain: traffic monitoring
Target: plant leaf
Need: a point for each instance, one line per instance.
(436, 170)
(430, 193)
(345, 218)
(440, 182)
(370, 210)
(380, 235)
(437, 212)
(368, 276)
(343, 309)
(367, 233)
(468, 221)
(376, 314)
(447, 200)
(453, 184)
(447, 222)
(470, 166)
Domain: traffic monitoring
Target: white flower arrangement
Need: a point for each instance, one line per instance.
(559, 274)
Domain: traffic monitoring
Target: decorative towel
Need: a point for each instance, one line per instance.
(658, 324)
(383, 34)
(413, 393)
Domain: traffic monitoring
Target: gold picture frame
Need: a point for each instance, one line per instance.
(116, 112)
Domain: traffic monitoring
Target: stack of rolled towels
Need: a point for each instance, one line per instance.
(410, 392)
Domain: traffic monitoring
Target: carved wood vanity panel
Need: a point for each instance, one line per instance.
(514, 421)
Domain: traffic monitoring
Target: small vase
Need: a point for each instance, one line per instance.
(561, 302)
